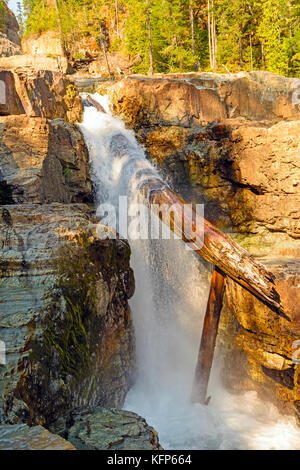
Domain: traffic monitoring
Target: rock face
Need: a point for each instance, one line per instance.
(64, 314)
(107, 429)
(42, 161)
(258, 351)
(22, 437)
(232, 143)
(9, 33)
(245, 172)
(197, 99)
(47, 43)
(40, 94)
(65, 319)
(36, 62)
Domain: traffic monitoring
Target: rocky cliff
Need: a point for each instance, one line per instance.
(10, 43)
(232, 143)
(64, 313)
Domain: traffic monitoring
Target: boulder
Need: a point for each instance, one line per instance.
(96, 428)
(64, 314)
(23, 437)
(42, 161)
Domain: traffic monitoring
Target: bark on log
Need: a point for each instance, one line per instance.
(95, 104)
(214, 246)
(209, 337)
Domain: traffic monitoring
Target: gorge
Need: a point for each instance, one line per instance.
(101, 333)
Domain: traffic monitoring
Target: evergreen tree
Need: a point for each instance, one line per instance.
(272, 31)
(178, 35)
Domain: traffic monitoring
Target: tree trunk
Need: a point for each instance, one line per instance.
(192, 27)
(241, 48)
(209, 34)
(150, 72)
(208, 338)
(213, 245)
(117, 17)
(251, 52)
(61, 37)
(214, 39)
(104, 48)
(263, 59)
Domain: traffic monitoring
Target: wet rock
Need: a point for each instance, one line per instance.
(43, 161)
(259, 349)
(246, 174)
(243, 164)
(108, 429)
(22, 437)
(65, 346)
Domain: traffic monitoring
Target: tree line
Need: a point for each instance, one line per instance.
(178, 35)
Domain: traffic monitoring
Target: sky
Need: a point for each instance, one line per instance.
(12, 4)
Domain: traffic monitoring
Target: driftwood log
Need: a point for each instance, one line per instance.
(213, 245)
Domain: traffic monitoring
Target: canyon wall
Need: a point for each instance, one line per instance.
(232, 143)
(64, 313)
(10, 42)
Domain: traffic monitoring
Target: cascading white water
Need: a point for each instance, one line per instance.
(168, 307)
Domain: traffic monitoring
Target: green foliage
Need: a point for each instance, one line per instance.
(272, 31)
(250, 34)
(41, 18)
(3, 11)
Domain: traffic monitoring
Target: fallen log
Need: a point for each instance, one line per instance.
(213, 245)
(95, 104)
(208, 339)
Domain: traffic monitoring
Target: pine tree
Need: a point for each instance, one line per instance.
(272, 31)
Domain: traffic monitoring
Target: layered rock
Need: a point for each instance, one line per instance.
(96, 428)
(42, 161)
(36, 62)
(22, 437)
(40, 93)
(65, 320)
(258, 350)
(9, 33)
(47, 43)
(197, 99)
(64, 314)
(246, 174)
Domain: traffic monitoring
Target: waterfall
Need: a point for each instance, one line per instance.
(172, 286)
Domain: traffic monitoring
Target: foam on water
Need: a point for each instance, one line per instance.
(168, 306)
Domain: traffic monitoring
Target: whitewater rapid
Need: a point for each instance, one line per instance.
(168, 307)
